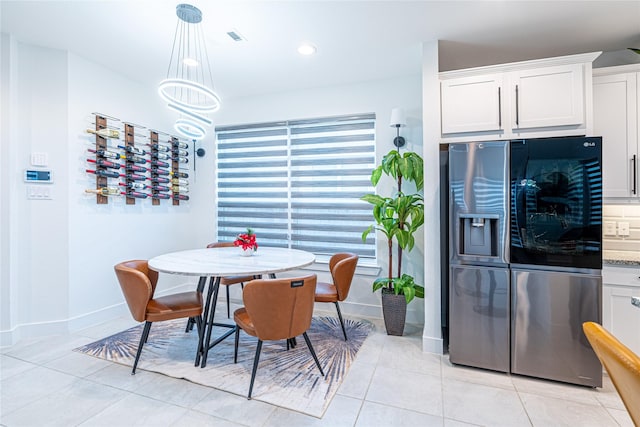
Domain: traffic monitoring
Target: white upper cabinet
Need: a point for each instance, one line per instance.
(542, 98)
(546, 97)
(616, 118)
(471, 104)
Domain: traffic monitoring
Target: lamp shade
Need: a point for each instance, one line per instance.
(398, 118)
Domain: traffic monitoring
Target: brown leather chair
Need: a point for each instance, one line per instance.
(231, 280)
(342, 267)
(138, 284)
(276, 309)
(622, 365)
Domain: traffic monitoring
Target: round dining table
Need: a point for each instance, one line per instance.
(215, 263)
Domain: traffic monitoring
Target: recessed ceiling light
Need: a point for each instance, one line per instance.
(189, 62)
(307, 49)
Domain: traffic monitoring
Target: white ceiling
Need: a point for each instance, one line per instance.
(356, 40)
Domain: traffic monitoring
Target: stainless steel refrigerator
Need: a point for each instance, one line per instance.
(478, 247)
(525, 256)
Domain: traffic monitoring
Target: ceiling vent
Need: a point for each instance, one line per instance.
(236, 36)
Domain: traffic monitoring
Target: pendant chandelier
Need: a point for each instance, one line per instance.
(188, 88)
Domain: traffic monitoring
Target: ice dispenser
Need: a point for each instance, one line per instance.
(479, 235)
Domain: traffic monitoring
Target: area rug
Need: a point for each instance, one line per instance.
(285, 378)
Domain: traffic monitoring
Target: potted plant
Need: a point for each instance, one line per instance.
(398, 217)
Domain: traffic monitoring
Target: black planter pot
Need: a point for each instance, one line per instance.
(394, 311)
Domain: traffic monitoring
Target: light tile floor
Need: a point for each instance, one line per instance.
(391, 383)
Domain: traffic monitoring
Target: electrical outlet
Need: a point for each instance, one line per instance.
(610, 228)
(623, 228)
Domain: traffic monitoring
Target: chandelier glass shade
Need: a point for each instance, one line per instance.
(188, 87)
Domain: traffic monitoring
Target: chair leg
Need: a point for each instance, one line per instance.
(228, 312)
(235, 348)
(143, 339)
(255, 367)
(313, 353)
(341, 321)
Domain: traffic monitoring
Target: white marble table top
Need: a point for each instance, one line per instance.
(229, 262)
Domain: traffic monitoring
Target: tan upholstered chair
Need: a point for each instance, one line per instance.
(276, 309)
(622, 365)
(342, 267)
(232, 280)
(138, 284)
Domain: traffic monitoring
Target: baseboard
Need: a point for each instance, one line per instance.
(432, 345)
(76, 323)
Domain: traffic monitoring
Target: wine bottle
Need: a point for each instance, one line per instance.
(179, 152)
(105, 173)
(178, 196)
(134, 177)
(135, 159)
(180, 174)
(132, 150)
(104, 191)
(134, 185)
(106, 154)
(161, 156)
(135, 168)
(160, 188)
(161, 148)
(182, 160)
(178, 181)
(160, 180)
(160, 196)
(178, 144)
(105, 133)
(105, 163)
(179, 189)
(159, 164)
(135, 194)
(159, 171)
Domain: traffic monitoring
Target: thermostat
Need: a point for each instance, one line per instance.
(41, 176)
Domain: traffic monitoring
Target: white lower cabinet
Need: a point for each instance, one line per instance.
(619, 316)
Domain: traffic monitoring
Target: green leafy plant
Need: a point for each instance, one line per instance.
(398, 217)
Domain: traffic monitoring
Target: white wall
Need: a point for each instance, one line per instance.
(432, 334)
(378, 97)
(58, 255)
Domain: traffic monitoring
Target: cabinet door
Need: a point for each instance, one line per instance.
(615, 119)
(547, 97)
(471, 104)
(620, 317)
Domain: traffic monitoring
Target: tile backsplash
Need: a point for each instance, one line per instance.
(621, 215)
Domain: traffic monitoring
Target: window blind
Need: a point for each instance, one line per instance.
(298, 183)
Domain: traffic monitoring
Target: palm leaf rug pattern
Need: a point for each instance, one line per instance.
(286, 378)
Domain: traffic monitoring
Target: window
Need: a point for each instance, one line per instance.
(298, 183)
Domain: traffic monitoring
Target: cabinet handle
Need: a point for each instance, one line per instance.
(499, 110)
(635, 178)
(517, 108)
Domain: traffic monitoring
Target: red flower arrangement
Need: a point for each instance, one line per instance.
(247, 240)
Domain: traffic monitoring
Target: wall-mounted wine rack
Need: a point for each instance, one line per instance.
(119, 145)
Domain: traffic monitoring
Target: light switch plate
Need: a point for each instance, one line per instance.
(623, 228)
(39, 159)
(37, 192)
(610, 228)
